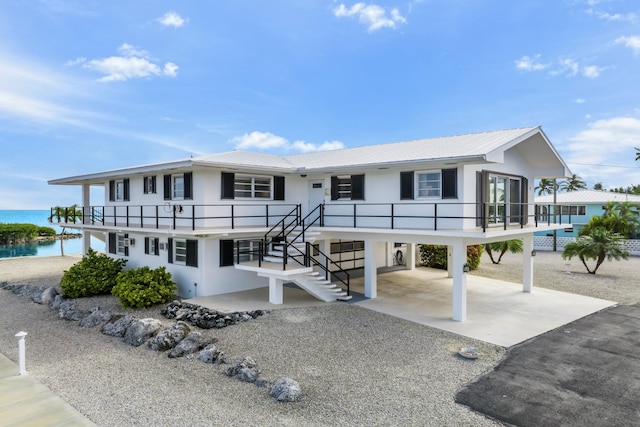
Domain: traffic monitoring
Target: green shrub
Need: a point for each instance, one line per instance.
(46, 231)
(17, 233)
(94, 275)
(143, 287)
(435, 256)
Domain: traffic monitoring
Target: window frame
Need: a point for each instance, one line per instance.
(150, 185)
(417, 184)
(118, 187)
(121, 248)
(252, 186)
(183, 247)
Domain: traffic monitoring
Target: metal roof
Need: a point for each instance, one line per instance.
(479, 147)
(588, 197)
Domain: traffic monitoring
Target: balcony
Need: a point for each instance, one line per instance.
(389, 216)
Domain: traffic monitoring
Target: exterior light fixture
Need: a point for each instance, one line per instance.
(533, 252)
(466, 268)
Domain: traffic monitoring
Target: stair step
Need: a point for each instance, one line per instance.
(345, 298)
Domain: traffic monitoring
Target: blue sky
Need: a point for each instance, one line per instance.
(92, 85)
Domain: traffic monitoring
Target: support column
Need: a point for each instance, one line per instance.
(370, 270)
(410, 256)
(459, 258)
(449, 262)
(527, 263)
(276, 290)
(86, 203)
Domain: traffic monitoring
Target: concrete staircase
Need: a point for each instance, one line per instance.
(312, 282)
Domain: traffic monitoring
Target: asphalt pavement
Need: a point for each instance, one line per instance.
(585, 373)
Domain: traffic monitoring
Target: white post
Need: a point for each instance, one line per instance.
(459, 255)
(527, 270)
(86, 208)
(411, 256)
(276, 291)
(21, 353)
(370, 270)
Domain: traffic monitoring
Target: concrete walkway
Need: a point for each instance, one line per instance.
(498, 312)
(26, 402)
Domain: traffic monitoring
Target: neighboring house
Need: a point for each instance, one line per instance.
(577, 208)
(238, 220)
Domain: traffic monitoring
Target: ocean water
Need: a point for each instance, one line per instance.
(40, 217)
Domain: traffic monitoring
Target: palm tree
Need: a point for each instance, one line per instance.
(70, 214)
(572, 184)
(599, 245)
(637, 154)
(598, 186)
(546, 186)
(514, 246)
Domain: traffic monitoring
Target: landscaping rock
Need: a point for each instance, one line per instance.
(286, 390)
(117, 326)
(95, 318)
(168, 338)
(246, 370)
(55, 303)
(4, 285)
(69, 311)
(205, 318)
(35, 293)
(210, 354)
(190, 344)
(141, 330)
(47, 295)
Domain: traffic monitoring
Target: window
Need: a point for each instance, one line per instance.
(117, 244)
(573, 210)
(149, 185)
(428, 184)
(254, 187)
(152, 246)
(119, 190)
(183, 252)
(178, 186)
(347, 187)
(433, 184)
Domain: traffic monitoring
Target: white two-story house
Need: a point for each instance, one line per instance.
(238, 220)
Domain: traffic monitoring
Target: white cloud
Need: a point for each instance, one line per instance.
(592, 71)
(171, 19)
(580, 101)
(308, 147)
(632, 42)
(616, 17)
(527, 63)
(259, 140)
(587, 158)
(567, 66)
(268, 141)
(78, 60)
(373, 16)
(132, 63)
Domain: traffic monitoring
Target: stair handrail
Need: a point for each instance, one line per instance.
(304, 220)
(296, 213)
(328, 274)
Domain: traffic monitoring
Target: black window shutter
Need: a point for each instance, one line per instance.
(278, 188)
(357, 187)
(145, 181)
(157, 246)
(450, 183)
(525, 200)
(188, 185)
(406, 186)
(226, 253)
(126, 248)
(479, 197)
(153, 184)
(192, 253)
(334, 188)
(170, 250)
(112, 190)
(112, 243)
(126, 189)
(167, 187)
(146, 244)
(228, 185)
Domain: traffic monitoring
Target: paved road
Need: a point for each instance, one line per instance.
(586, 373)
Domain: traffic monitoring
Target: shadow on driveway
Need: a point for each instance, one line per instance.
(585, 373)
